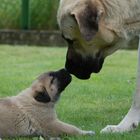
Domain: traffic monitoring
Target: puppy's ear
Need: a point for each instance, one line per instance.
(87, 19)
(43, 96)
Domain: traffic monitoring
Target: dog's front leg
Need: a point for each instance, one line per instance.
(64, 128)
(132, 119)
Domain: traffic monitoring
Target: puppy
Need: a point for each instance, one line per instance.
(32, 112)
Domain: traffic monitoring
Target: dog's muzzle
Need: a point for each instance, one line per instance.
(83, 67)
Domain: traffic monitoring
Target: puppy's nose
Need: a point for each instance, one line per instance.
(64, 74)
(64, 70)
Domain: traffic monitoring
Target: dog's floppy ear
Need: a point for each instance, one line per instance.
(42, 96)
(87, 19)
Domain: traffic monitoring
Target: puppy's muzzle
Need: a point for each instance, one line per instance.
(63, 77)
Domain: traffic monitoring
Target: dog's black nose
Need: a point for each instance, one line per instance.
(83, 67)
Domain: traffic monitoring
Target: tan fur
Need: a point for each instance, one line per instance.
(95, 29)
(22, 115)
(120, 19)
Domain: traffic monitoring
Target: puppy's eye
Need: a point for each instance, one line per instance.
(52, 80)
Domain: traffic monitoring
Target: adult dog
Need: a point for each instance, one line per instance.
(32, 113)
(95, 29)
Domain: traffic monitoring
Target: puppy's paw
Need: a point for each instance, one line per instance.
(90, 133)
(49, 138)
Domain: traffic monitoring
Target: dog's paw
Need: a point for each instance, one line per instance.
(110, 129)
(129, 123)
(120, 128)
(90, 133)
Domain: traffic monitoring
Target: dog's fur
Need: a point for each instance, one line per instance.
(95, 29)
(32, 113)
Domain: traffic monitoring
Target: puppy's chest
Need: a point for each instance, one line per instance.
(34, 122)
(26, 125)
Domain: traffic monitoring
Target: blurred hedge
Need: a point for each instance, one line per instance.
(42, 14)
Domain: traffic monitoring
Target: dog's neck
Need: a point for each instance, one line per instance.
(121, 15)
(121, 9)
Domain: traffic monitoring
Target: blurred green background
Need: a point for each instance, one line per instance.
(42, 14)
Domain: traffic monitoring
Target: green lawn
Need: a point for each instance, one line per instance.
(90, 104)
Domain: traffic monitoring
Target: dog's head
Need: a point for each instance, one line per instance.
(89, 40)
(48, 86)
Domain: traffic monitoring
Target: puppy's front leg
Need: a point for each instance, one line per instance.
(64, 128)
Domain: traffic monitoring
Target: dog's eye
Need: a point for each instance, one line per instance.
(98, 54)
(69, 41)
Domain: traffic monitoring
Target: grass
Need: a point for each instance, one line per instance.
(90, 104)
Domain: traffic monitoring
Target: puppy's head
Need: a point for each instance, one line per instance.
(89, 40)
(48, 86)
